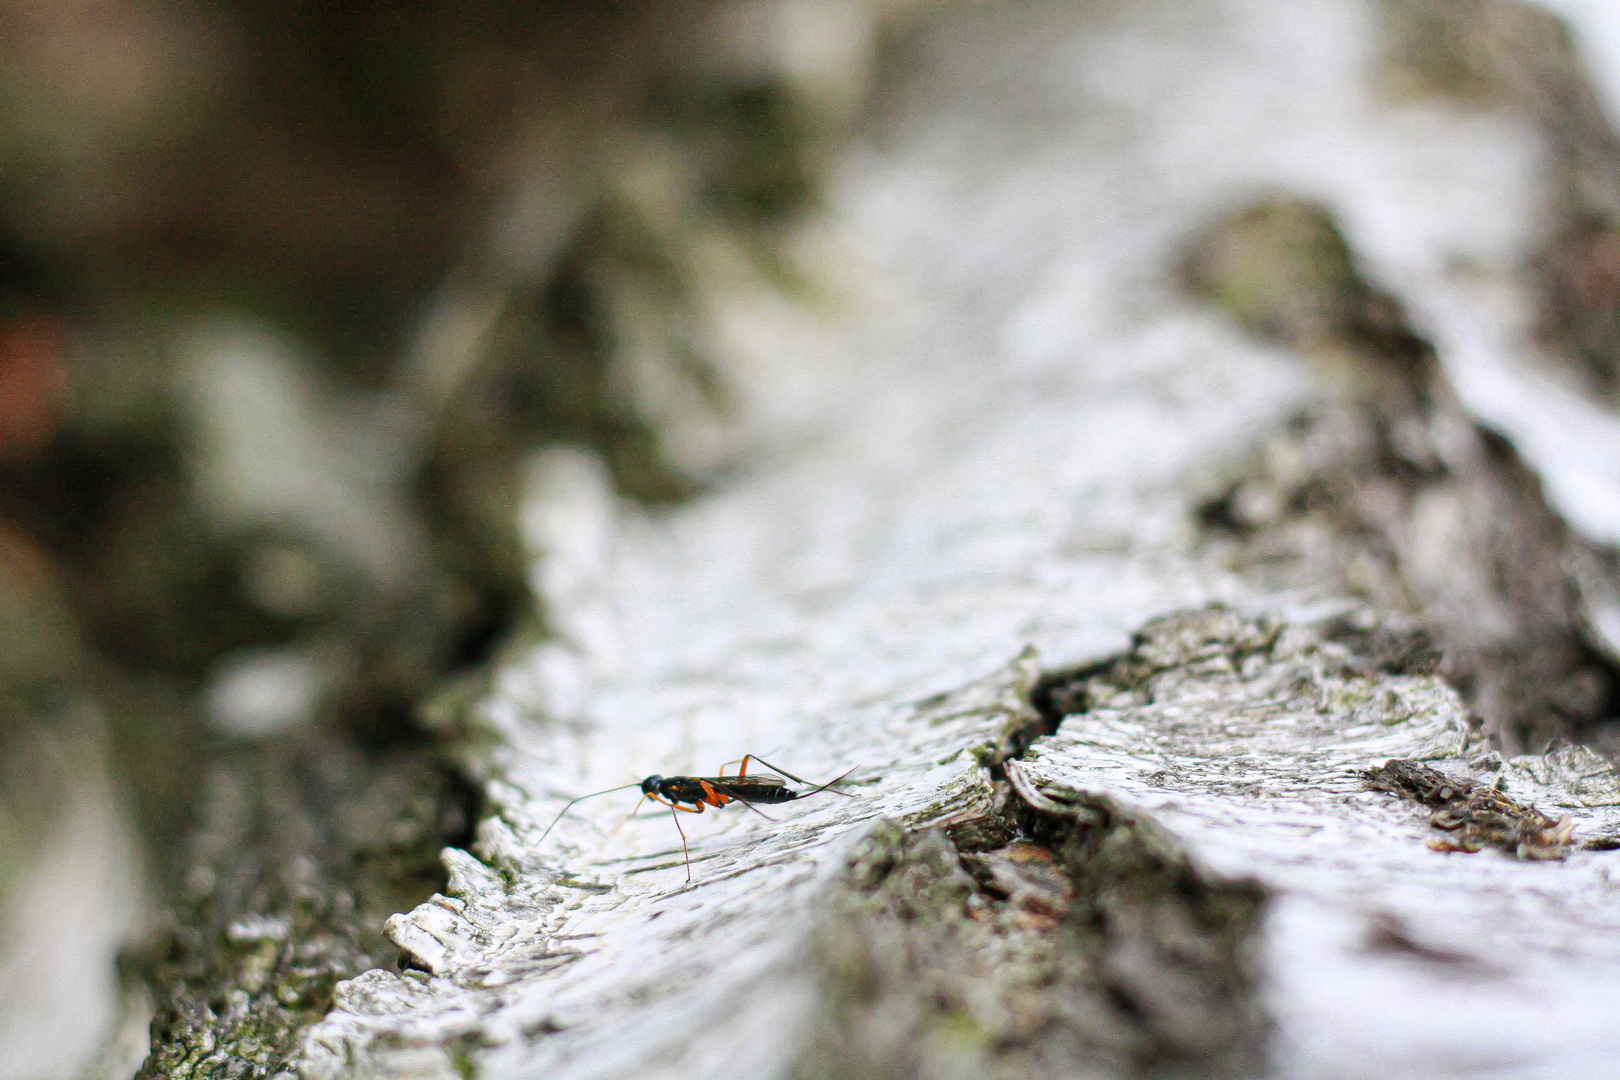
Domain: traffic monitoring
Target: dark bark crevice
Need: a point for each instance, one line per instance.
(1040, 937)
(1388, 492)
(1090, 948)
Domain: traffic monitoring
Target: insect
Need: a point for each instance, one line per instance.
(716, 791)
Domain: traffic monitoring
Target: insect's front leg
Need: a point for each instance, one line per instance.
(673, 805)
(685, 852)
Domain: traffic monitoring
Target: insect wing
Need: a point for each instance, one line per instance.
(764, 779)
(754, 785)
(768, 790)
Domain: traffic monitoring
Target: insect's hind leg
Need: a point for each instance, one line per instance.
(738, 798)
(828, 786)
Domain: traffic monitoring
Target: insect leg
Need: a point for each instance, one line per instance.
(696, 808)
(676, 818)
(734, 797)
(828, 786)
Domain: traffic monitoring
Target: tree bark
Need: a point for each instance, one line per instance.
(1081, 837)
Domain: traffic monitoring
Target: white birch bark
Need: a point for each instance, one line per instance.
(993, 448)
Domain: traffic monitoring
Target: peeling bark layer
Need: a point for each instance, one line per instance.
(1247, 741)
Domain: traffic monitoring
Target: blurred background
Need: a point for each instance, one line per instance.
(287, 292)
(291, 290)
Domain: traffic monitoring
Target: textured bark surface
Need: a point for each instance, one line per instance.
(1387, 487)
(1164, 863)
(1194, 875)
(309, 846)
(939, 537)
(1249, 742)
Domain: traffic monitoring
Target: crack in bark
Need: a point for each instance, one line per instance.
(1047, 936)
(1080, 949)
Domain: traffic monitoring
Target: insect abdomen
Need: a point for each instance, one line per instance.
(761, 793)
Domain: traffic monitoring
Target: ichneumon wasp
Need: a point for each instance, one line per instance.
(716, 791)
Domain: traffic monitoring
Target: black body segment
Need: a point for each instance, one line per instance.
(755, 792)
(719, 790)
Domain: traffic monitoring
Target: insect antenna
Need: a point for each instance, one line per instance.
(582, 798)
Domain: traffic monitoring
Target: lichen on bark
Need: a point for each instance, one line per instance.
(305, 848)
